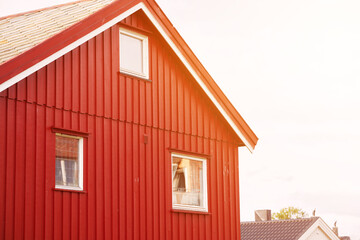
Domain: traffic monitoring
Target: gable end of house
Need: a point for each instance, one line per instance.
(25, 64)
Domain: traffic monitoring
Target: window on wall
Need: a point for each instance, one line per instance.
(189, 183)
(134, 53)
(68, 162)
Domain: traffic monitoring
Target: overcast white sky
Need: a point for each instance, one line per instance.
(292, 69)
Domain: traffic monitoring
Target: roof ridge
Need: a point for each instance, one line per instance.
(42, 9)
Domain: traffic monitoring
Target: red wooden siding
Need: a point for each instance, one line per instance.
(127, 181)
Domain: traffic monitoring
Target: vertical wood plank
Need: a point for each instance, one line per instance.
(91, 76)
(174, 103)
(41, 86)
(58, 216)
(214, 190)
(155, 174)
(135, 102)
(3, 148)
(74, 228)
(142, 182)
(10, 170)
(59, 83)
(66, 215)
(129, 181)
(75, 79)
(226, 190)
(142, 103)
(149, 185)
(129, 104)
(99, 175)
(68, 87)
(107, 179)
(83, 85)
(21, 90)
(19, 200)
(107, 73)
(162, 194)
(115, 62)
(30, 171)
(122, 98)
(83, 198)
(91, 179)
(115, 179)
(154, 76)
(136, 181)
(50, 84)
(232, 191)
(167, 94)
(237, 192)
(187, 109)
(122, 181)
(31, 87)
(99, 75)
(48, 174)
(220, 191)
(167, 184)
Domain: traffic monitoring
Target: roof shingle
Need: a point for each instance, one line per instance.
(19, 33)
(276, 229)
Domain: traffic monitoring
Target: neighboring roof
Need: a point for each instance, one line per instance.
(276, 229)
(19, 63)
(292, 229)
(19, 33)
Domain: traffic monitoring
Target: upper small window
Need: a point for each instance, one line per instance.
(189, 188)
(69, 162)
(134, 53)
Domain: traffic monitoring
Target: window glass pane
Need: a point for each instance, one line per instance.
(188, 187)
(131, 54)
(67, 161)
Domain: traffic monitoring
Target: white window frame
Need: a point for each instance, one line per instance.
(204, 204)
(145, 53)
(81, 164)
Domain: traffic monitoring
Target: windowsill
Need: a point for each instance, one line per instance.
(134, 76)
(69, 190)
(175, 210)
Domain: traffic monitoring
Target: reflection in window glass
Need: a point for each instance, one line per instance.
(67, 161)
(188, 182)
(131, 54)
(134, 53)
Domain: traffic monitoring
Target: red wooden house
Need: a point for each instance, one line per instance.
(110, 128)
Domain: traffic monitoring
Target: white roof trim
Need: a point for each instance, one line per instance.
(107, 25)
(323, 226)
